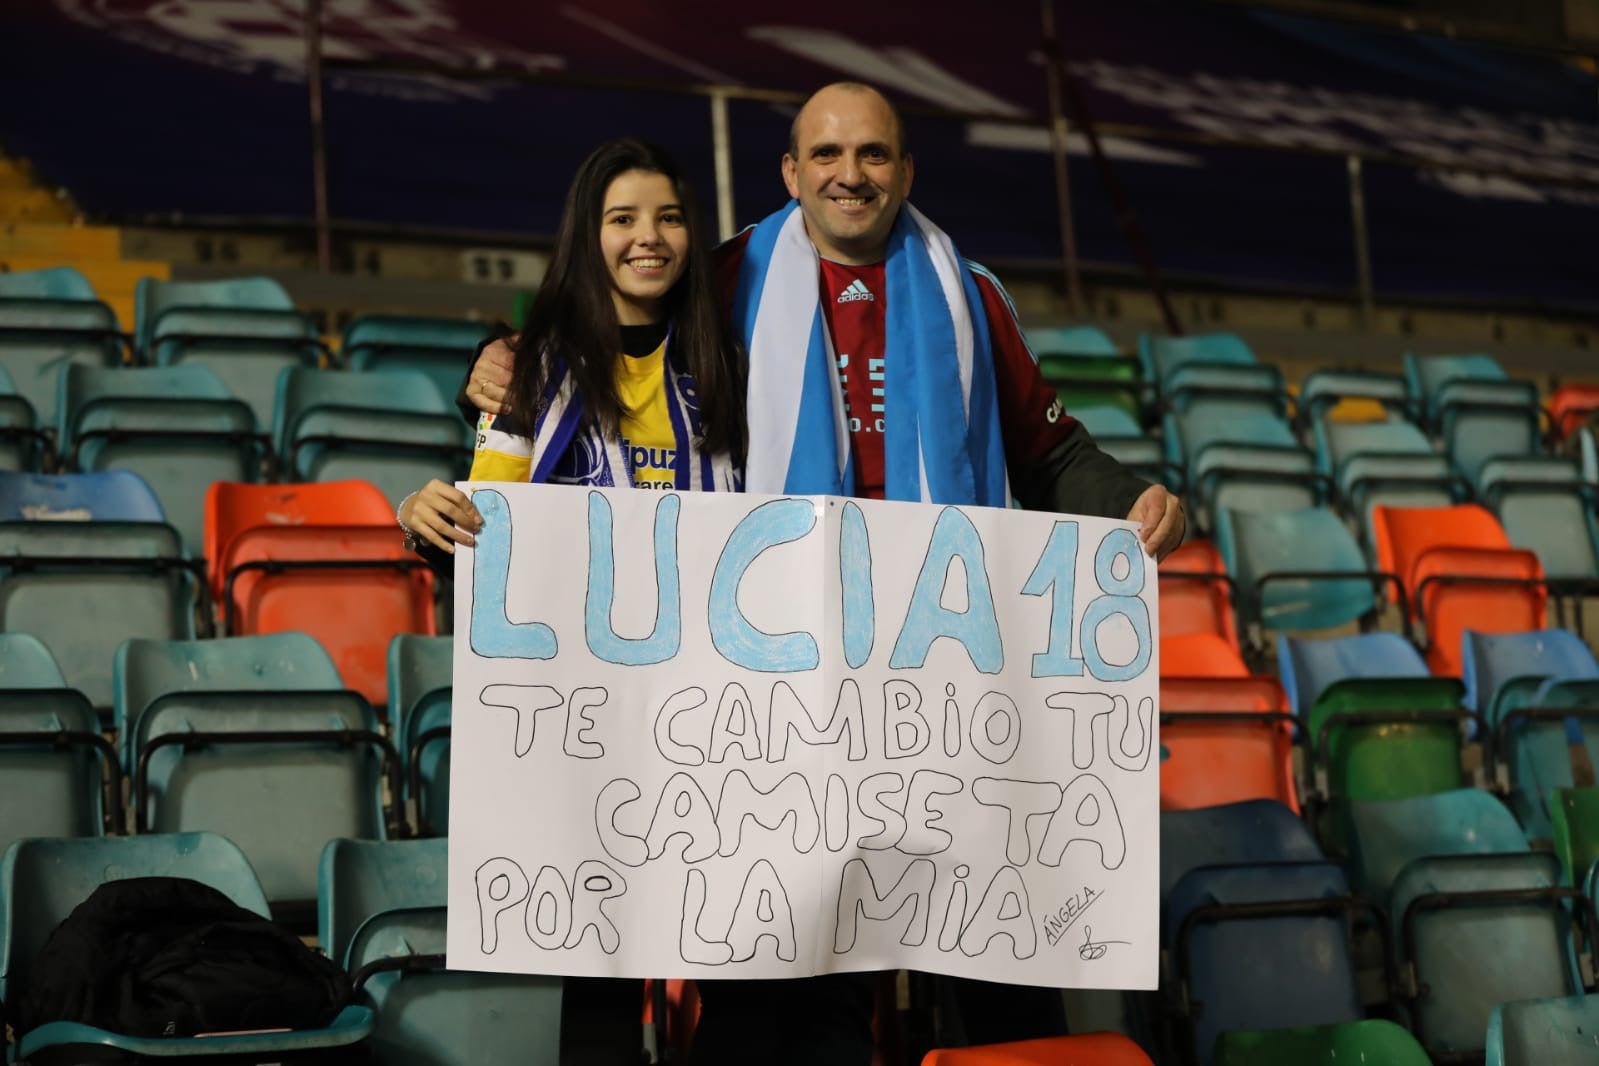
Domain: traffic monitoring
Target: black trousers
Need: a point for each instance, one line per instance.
(602, 1021)
(827, 1021)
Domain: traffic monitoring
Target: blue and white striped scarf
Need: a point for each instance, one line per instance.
(598, 458)
(942, 438)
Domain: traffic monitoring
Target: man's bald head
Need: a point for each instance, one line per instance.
(820, 99)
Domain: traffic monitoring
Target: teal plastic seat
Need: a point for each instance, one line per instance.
(1119, 435)
(1259, 547)
(1427, 376)
(55, 283)
(145, 671)
(1475, 931)
(313, 767)
(440, 349)
(1161, 356)
(420, 690)
(1544, 1032)
(84, 587)
(1391, 834)
(1070, 340)
(393, 430)
(1536, 755)
(1545, 508)
(42, 881)
(176, 427)
(26, 663)
(40, 336)
(226, 305)
(1247, 833)
(1323, 389)
(23, 445)
(1240, 454)
(359, 878)
(1368, 461)
(1477, 431)
(58, 776)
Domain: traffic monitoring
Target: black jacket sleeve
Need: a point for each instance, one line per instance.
(1075, 477)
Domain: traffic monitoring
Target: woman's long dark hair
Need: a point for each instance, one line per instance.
(573, 318)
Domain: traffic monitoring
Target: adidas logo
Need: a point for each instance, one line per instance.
(856, 290)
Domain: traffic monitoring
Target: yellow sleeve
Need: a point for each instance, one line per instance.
(500, 455)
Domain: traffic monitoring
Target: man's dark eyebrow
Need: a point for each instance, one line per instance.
(877, 146)
(818, 149)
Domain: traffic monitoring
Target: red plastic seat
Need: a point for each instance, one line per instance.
(1571, 405)
(1191, 602)
(1200, 655)
(1502, 592)
(1213, 760)
(1089, 1049)
(324, 559)
(1403, 534)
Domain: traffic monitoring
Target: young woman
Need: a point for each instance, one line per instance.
(625, 372)
(624, 375)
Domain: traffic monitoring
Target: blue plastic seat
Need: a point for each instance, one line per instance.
(107, 496)
(1243, 970)
(1544, 1032)
(1502, 671)
(1259, 547)
(1235, 834)
(1475, 931)
(393, 430)
(420, 690)
(438, 348)
(177, 427)
(23, 444)
(42, 881)
(39, 336)
(1391, 834)
(1309, 667)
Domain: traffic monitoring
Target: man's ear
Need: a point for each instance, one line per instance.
(791, 175)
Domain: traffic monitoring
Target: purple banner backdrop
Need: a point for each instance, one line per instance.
(184, 108)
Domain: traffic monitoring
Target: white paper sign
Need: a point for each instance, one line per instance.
(710, 735)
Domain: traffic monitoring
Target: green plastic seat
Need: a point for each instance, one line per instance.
(1574, 819)
(1376, 1041)
(394, 430)
(1085, 380)
(42, 881)
(1544, 1032)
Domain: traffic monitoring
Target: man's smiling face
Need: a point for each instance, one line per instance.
(848, 169)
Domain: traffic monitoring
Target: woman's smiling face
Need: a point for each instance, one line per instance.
(644, 242)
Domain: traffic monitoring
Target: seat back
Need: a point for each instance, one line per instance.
(1250, 833)
(42, 881)
(108, 496)
(232, 508)
(40, 336)
(1099, 1049)
(1546, 509)
(1503, 590)
(1374, 1040)
(1391, 834)
(1404, 534)
(51, 786)
(54, 283)
(1262, 545)
(1249, 972)
(281, 802)
(1501, 670)
(20, 445)
(358, 879)
(1543, 1032)
(26, 663)
(155, 300)
(1308, 667)
(1570, 406)
(1213, 760)
(1070, 340)
(1189, 601)
(1162, 355)
(1390, 757)
(1469, 955)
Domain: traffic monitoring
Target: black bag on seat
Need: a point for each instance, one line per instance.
(165, 956)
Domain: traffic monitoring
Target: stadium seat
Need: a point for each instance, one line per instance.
(1250, 833)
(1546, 509)
(1477, 930)
(393, 430)
(1295, 570)
(1088, 1049)
(1376, 1041)
(1200, 655)
(322, 558)
(1261, 947)
(1487, 422)
(1227, 739)
(278, 773)
(419, 703)
(1388, 462)
(147, 671)
(381, 909)
(1240, 454)
(176, 427)
(438, 348)
(38, 336)
(1309, 667)
(58, 775)
(1163, 355)
(55, 283)
(1390, 834)
(245, 329)
(1503, 671)
(1544, 1032)
(1070, 340)
(1574, 827)
(1119, 435)
(24, 446)
(83, 585)
(42, 881)
(1570, 406)
(1324, 389)
(1430, 378)
(1196, 593)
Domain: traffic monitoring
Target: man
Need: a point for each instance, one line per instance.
(940, 372)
